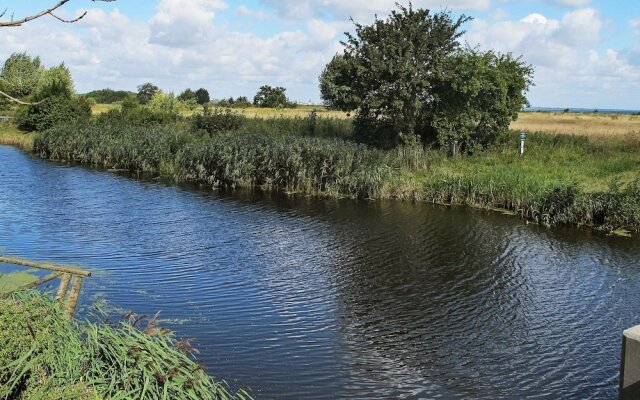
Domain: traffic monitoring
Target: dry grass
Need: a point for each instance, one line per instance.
(593, 125)
(102, 108)
(13, 137)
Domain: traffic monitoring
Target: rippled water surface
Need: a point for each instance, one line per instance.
(299, 298)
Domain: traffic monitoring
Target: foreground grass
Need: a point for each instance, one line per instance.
(44, 356)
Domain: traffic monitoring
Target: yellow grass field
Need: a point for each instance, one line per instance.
(599, 125)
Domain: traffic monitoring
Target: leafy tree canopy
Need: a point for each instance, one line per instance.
(146, 92)
(271, 97)
(202, 96)
(404, 75)
(20, 75)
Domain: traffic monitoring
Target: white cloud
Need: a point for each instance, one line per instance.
(183, 22)
(362, 9)
(569, 69)
(569, 3)
(184, 45)
(252, 14)
(635, 24)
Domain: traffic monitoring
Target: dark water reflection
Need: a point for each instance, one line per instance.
(300, 298)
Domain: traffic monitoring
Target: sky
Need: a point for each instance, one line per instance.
(586, 53)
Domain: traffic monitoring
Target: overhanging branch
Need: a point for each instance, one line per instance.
(49, 11)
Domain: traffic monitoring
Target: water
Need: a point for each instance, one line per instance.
(300, 298)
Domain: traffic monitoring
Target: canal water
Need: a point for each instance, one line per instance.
(318, 299)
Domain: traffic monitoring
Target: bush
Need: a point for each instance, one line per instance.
(51, 111)
(44, 356)
(213, 122)
(132, 113)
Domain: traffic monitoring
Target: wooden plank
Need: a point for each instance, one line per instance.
(62, 289)
(48, 267)
(74, 294)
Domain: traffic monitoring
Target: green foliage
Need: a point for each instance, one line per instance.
(109, 96)
(164, 103)
(21, 75)
(409, 81)
(293, 163)
(51, 111)
(270, 97)
(479, 98)
(240, 102)
(44, 356)
(162, 109)
(212, 122)
(55, 82)
(202, 96)
(146, 92)
(116, 143)
(187, 95)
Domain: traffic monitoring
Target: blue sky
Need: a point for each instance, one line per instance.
(586, 53)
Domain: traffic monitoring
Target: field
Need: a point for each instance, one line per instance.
(589, 124)
(596, 125)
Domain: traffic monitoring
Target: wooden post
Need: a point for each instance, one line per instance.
(62, 289)
(72, 302)
(630, 364)
(49, 267)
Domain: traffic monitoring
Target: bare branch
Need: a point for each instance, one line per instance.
(49, 11)
(16, 100)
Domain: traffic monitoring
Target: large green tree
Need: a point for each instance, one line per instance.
(401, 74)
(20, 75)
(146, 91)
(271, 97)
(202, 96)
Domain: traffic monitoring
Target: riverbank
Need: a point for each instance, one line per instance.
(561, 179)
(45, 356)
(13, 137)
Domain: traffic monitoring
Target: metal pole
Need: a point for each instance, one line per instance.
(523, 136)
(454, 149)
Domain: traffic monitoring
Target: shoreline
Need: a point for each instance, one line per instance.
(443, 181)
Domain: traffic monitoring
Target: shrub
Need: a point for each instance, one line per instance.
(51, 111)
(213, 122)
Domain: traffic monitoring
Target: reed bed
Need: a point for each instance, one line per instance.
(45, 356)
(561, 179)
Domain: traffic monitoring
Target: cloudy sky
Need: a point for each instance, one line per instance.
(586, 53)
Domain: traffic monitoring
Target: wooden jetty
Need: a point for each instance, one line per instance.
(70, 281)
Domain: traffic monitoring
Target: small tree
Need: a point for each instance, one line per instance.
(270, 97)
(146, 92)
(187, 95)
(202, 96)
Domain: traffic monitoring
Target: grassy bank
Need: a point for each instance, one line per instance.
(13, 137)
(44, 356)
(562, 179)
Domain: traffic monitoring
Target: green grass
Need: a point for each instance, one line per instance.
(9, 135)
(44, 356)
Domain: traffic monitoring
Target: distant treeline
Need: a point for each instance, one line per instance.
(108, 96)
